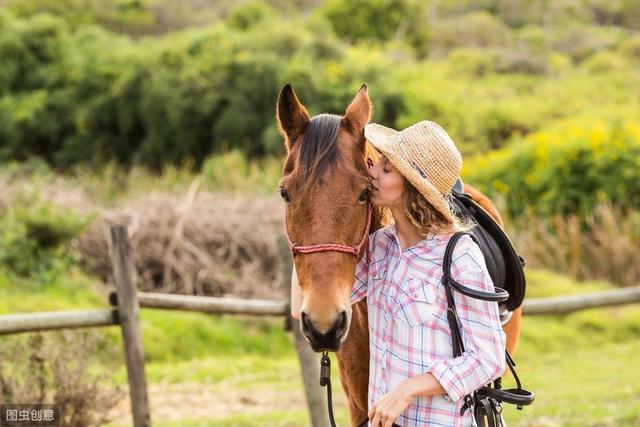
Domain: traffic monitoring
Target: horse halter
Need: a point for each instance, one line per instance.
(296, 248)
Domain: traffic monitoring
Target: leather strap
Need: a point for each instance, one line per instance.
(325, 381)
(486, 400)
(484, 409)
(499, 295)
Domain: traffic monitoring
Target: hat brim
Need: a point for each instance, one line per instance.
(386, 140)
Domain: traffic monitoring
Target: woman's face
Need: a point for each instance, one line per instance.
(387, 184)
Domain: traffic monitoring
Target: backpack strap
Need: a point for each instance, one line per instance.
(499, 295)
(517, 396)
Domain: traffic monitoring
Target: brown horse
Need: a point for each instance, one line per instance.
(324, 185)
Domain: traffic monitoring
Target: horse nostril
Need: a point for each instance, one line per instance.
(342, 321)
(306, 326)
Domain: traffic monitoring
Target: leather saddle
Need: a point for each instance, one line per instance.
(505, 266)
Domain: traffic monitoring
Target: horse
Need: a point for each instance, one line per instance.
(325, 185)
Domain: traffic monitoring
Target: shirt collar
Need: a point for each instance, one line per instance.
(393, 234)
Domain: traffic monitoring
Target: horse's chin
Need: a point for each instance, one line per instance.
(332, 345)
(320, 349)
(325, 345)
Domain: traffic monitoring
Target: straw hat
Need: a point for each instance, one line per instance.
(425, 155)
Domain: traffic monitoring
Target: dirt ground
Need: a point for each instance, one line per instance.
(172, 402)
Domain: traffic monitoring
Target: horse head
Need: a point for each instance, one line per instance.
(325, 186)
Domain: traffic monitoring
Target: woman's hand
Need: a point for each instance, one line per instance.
(386, 410)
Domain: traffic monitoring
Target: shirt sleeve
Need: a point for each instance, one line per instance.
(359, 289)
(484, 340)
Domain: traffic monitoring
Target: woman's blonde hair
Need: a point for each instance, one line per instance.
(428, 219)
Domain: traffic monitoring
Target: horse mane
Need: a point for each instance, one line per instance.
(319, 149)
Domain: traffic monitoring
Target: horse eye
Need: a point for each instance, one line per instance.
(285, 195)
(364, 196)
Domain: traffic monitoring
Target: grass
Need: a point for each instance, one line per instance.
(292, 418)
(586, 385)
(75, 290)
(580, 366)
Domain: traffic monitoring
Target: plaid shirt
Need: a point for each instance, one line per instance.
(408, 328)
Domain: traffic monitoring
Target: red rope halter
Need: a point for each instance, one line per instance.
(324, 247)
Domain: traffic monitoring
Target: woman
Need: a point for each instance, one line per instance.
(414, 380)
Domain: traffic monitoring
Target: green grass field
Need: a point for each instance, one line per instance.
(229, 371)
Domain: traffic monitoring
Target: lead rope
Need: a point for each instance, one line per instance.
(325, 380)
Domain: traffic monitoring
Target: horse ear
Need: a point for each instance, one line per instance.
(358, 112)
(293, 117)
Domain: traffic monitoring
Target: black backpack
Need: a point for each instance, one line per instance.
(504, 264)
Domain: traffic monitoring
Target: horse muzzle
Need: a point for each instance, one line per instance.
(329, 340)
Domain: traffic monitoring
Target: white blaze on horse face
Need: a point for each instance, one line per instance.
(323, 309)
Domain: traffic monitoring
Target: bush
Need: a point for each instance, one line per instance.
(472, 61)
(80, 94)
(379, 20)
(94, 97)
(567, 169)
(475, 29)
(36, 236)
(630, 48)
(580, 41)
(481, 62)
(604, 62)
(59, 367)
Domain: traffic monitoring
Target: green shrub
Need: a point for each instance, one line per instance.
(630, 13)
(472, 61)
(566, 169)
(80, 94)
(35, 236)
(379, 20)
(604, 62)
(630, 48)
(475, 29)
(63, 367)
(481, 62)
(581, 41)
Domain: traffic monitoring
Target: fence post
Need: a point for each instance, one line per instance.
(309, 360)
(129, 316)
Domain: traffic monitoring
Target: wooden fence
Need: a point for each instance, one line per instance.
(126, 303)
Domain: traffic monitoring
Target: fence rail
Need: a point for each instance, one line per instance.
(127, 301)
(568, 303)
(213, 304)
(52, 320)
